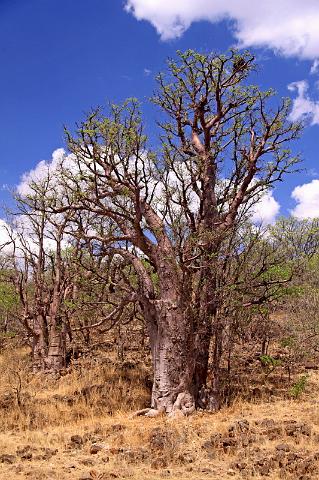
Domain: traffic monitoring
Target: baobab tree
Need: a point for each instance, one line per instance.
(40, 268)
(168, 212)
(60, 283)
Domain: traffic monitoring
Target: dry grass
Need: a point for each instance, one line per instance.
(91, 389)
(94, 401)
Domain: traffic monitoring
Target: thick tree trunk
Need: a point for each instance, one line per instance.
(39, 353)
(56, 359)
(209, 391)
(180, 352)
(39, 344)
(48, 348)
(172, 343)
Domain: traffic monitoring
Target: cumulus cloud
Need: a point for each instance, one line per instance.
(42, 169)
(303, 107)
(287, 26)
(307, 198)
(265, 210)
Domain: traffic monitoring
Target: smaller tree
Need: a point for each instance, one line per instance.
(41, 274)
(63, 282)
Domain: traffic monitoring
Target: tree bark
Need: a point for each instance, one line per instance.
(48, 348)
(39, 343)
(173, 361)
(56, 359)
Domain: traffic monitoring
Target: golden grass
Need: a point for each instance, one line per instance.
(45, 419)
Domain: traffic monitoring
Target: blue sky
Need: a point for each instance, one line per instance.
(61, 57)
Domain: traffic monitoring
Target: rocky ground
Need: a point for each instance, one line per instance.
(80, 427)
(277, 440)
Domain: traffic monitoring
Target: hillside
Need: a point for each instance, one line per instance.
(80, 426)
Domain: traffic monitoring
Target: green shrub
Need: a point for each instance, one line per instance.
(299, 387)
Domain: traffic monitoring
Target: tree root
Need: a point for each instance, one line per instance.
(184, 403)
(148, 412)
(184, 406)
(140, 413)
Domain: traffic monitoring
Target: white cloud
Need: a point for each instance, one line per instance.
(303, 107)
(288, 26)
(10, 237)
(265, 210)
(4, 236)
(42, 169)
(307, 198)
(314, 67)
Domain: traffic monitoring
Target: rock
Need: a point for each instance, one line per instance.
(88, 462)
(267, 422)
(47, 454)
(284, 447)
(241, 426)
(6, 458)
(94, 438)
(96, 447)
(311, 366)
(160, 439)
(77, 439)
(159, 462)
(238, 466)
(50, 452)
(264, 465)
(115, 450)
(229, 442)
(117, 427)
(134, 455)
(292, 457)
(294, 428)
(25, 453)
(273, 431)
(186, 457)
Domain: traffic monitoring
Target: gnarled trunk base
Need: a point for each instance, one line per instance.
(50, 355)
